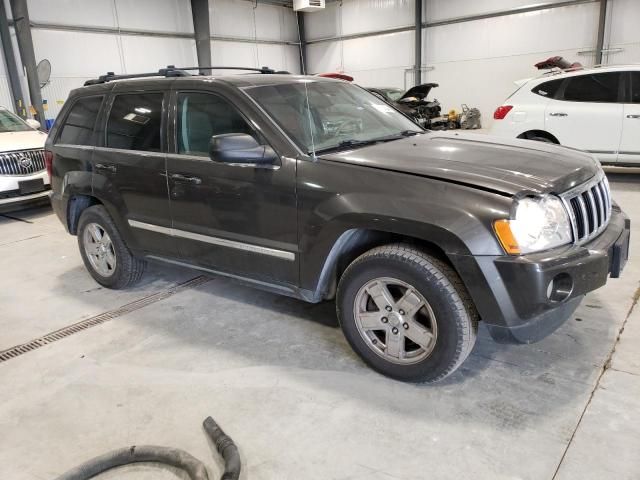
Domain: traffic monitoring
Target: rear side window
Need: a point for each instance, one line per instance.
(135, 121)
(202, 115)
(548, 89)
(597, 87)
(79, 124)
(635, 87)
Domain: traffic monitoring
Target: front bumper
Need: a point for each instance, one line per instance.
(525, 298)
(11, 197)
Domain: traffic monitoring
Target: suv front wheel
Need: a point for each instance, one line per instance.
(103, 252)
(406, 313)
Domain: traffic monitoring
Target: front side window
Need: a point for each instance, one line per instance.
(635, 87)
(323, 115)
(597, 87)
(202, 115)
(79, 124)
(12, 123)
(135, 121)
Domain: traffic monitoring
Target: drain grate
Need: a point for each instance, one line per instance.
(18, 350)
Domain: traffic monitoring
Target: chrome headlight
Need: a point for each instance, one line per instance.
(539, 223)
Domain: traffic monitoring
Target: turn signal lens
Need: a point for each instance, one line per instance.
(502, 111)
(504, 234)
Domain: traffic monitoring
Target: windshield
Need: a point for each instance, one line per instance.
(12, 123)
(394, 94)
(337, 114)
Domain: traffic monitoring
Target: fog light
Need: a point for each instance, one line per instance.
(560, 287)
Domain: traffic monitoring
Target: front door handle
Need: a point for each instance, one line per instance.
(558, 114)
(633, 116)
(106, 166)
(185, 179)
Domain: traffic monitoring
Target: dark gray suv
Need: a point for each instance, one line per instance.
(317, 189)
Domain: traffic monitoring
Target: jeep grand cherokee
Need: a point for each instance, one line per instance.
(317, 189)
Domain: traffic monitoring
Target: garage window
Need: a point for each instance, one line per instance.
(202, 115)
(598, 87)
(79, 124)
(135, 121)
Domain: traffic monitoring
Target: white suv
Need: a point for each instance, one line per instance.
(597, 110)
(23, 175)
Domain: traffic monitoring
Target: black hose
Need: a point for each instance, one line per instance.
(165, 455)
(225, 447)
(135, 454)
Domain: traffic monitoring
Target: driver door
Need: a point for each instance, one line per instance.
(238, 218)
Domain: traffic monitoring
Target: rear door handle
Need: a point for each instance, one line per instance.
(106, 166)
(186, 179)
(633, 116)
(558, 114)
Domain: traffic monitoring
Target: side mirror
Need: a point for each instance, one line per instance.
(240, 148)
(35, 124)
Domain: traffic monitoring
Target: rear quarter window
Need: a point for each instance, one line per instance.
(79, 124)
(548, 89)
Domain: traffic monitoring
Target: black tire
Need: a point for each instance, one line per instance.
(128, 269)
(441, 287)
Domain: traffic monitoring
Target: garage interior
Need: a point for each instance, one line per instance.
(85, 370)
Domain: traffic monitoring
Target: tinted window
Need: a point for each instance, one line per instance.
(135, 121)
(635, 87)
(598, 87)
(548, 89)
(79, 124)
(202, 115)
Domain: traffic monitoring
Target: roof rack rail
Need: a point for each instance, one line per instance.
(170, 71)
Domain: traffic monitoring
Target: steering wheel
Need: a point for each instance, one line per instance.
(354, 121)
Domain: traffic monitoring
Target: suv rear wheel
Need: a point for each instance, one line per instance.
(406, 313)
(103, 252)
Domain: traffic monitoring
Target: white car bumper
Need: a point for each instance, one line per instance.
(10, 196)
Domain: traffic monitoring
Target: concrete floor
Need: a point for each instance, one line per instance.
(277, 374)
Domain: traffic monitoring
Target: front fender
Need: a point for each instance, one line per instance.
(457, 219)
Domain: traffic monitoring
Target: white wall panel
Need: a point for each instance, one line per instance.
(370, 15)
(242, 54)
(623, 32)
(437, 10)
(162, 15)
(147, 54)
(91, 13)
(323, 23)
(76, 54)
(5, 93)
(235, 18)
(234, 54)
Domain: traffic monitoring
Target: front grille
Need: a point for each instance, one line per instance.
(589, 207)
(25, 162)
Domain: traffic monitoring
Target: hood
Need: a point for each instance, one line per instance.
(419, 91)
(501, 165)
(11, 141)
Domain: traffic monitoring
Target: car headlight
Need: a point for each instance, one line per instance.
(539, 223)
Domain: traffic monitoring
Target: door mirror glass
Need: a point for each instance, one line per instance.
(33, 123)
(240, 148)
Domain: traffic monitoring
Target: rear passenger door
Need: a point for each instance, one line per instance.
(239, 218)
(629, 152)
(130, 166)
(588, 114)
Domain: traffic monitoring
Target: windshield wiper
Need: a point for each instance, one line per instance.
(352, 142)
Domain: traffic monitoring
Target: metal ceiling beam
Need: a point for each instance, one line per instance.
(202, 32)
(303, 43)
(601, 27)
(418, 42)
(27, 54)
(15, 85)
(450, 21)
